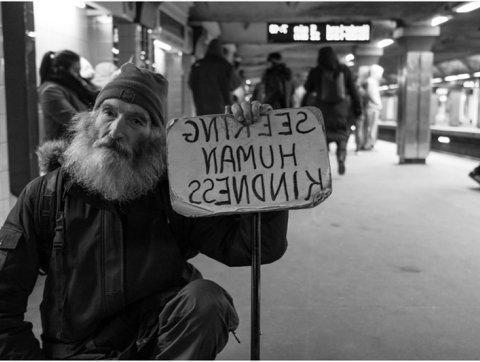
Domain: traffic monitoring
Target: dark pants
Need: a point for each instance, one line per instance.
(341, 149)
(192, 323)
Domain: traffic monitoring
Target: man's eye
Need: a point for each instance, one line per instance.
(108, 112)
(137, 122)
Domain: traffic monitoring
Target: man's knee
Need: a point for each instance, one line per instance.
(208, 298)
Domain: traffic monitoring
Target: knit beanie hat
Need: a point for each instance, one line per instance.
(141, 87)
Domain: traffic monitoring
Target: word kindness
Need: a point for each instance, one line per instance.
(217, 165)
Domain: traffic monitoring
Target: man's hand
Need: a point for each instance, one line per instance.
(248, 113)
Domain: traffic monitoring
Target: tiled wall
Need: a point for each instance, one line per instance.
(4, 182)
(91, 37)
(68, 31)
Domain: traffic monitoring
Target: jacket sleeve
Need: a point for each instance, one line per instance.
(310, 83)
(18, 273)
(353, 92)
(56, 106)
(227, 239)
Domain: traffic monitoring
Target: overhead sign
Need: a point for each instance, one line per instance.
(318, 32)
(218, 166)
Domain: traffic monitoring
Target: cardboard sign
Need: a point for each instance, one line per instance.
(219, 166)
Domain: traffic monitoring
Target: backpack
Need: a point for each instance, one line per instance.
(49, 223)
(332, 87)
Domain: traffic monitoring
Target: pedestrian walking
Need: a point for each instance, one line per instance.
(277, 81)
(212, 80)
(330, 87)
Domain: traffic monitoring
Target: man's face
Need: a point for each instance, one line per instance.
(122, 127)
(116, 151)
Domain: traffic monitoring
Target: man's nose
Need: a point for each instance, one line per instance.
(117, 127)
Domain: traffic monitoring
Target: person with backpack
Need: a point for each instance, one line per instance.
(330, 87)
(277, 81)
(102, 227)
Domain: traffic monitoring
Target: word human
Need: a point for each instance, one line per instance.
(250, 164)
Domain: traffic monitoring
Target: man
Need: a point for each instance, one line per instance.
(119, 285)
(212, 79)
(277, 80)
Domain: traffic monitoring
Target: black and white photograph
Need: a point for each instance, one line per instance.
(239, 180)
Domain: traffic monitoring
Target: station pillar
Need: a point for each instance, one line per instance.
(367, 55)
(415, 70)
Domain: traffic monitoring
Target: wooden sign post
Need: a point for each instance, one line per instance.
(219, 166)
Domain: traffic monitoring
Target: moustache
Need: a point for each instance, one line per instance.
(114, 144)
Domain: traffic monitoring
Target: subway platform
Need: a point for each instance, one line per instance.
(387, 268)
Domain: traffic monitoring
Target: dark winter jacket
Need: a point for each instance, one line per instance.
(58, 104)
(212, 80)
(334, 114)
(106, 262)
(278, 86)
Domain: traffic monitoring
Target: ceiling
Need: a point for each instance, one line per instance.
(456, 50)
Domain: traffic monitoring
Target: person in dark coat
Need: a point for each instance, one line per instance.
(330, 87)
(277, 81)
(212, 80)
(62, 92)
(119, 285)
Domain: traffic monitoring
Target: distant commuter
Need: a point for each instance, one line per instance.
(278, 85)
(62, 92)
(361, 123)
(330, 87)
(212, 79)
(373, 106)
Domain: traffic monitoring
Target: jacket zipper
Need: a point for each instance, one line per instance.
(102, 261)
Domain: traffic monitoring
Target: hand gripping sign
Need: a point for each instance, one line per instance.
(219, 166)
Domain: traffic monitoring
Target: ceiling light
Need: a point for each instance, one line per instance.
(80, 4)
(469, 84)
(452, 78)
(349, 57)
(384, 43)
(463, 76)
(248, 82)
(442, 91)
(437, 20)
(437, 80)
(393, 86)
(162, 45)
(476, 74)
(467, 7)
(383, 87)
(115, 51)
(104, 19)
(443, 139)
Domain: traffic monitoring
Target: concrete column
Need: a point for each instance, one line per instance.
(21, 94)
(476, 94)
(188, 108)
(455, 107)
(414, 77)
(366, 55)
(4, 180)
(129, 38)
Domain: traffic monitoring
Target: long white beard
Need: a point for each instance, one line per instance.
(113, 175)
